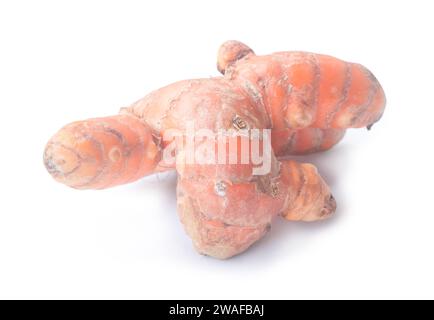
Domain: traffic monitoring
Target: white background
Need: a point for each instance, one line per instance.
(62, 61)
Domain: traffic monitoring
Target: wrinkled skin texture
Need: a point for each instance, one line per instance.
(307, 100)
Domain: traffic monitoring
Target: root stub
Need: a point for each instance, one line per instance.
(101, 153)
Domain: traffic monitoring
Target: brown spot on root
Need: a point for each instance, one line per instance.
(220, 188)
(268, 227)
(265, 185)
(329, 208)
(274, 190)
(239, 123)
(114, 154)
(56, 164)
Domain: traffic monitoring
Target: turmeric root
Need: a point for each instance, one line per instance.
(226, 222)
(102, 152)
(301, 89)
(298, 102)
